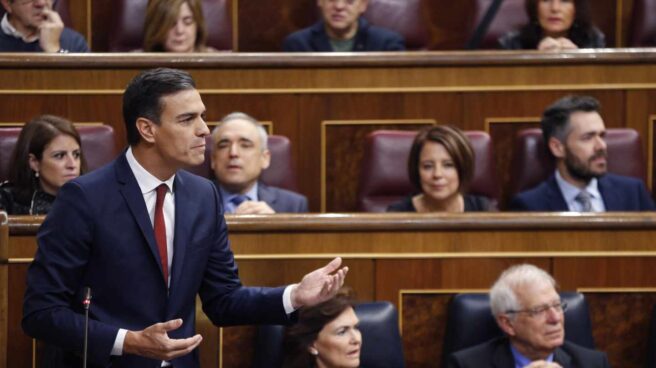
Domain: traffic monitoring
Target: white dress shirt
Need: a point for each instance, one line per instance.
(570, 192)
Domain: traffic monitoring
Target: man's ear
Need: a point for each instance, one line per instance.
(5, 4)
(556, 147)
(266, 159)
(505, 324)
(147, 129)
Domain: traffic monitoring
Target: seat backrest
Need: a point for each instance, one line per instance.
(531, 164)
(279, 174)
(60, 6)
(381, 340)
(403, 16)
(384, 175)
(643, 24)
(128, 17)
(98, 145)
(470, 322)
(510, 16)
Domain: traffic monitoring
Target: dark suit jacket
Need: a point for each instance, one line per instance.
(368, 38)
(620, 193)
(473, 203)
(496, 354)
(98, 234)
(281, 200)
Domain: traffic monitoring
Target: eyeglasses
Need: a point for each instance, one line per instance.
(541, 311)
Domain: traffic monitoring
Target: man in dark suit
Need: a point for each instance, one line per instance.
(147, 237)
(343, 29)
(574, 135)
(239, 154)
(529, 311)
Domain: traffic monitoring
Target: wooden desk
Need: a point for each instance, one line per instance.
(326, 104)
(414, 261)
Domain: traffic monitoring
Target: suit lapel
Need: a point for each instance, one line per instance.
(561, 357)
(556, 201)
(608, 195)
(135, 201)
(184, 210)
(265, 194)
(320, 41)
(502, 356)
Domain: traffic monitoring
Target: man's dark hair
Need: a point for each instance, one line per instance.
(555, 119)
(143, 96)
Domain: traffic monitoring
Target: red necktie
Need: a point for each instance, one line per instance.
(160, 230)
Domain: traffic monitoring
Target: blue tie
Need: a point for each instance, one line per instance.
(238, 199)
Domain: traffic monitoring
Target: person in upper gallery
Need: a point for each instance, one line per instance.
(441, 167)
(529, 311)
(175, 26)
(574, 135)
(326, 335)
(47, 154)
(343, 29)
(33, 26)
(555, 25)
(239, 154)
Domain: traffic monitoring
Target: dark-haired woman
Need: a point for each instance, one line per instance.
(47, 155)
(555, 25)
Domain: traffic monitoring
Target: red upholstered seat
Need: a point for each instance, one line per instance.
(98, 145)
(384, 175)
(532, 165)
(280, 173)
(128, 24)
(643, 24)
(511, 16)
(402, 16)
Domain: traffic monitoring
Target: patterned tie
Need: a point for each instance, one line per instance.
(584, 199)
(160, 230)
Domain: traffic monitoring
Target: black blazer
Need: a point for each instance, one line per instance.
(496, 354)
(472, 204)
(368, 38)
(620, 193)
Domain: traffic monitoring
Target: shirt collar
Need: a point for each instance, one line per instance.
(522, 361)
(570, 191)
(9, 30)
(251, 194)
(147, 181)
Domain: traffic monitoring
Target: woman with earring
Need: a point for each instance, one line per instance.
(555, 25)
(47, 155)
(326, 336)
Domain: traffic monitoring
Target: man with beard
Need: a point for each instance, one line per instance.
(33, 26)
(342, 29)
(529, 311)
(574, 133)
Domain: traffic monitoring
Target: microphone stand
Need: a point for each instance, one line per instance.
(86, 303)
(484, 26)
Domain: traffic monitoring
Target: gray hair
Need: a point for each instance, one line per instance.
(242, 116)
(502, 294)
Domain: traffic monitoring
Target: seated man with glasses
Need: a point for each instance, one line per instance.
(33, 26)
(529, 311)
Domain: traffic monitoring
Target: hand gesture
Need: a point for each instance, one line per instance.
(154, 343)
(319, 285)
(556, 44)
(543, 364)
(50, 31)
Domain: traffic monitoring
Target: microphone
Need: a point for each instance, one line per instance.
(86, 303)
(484, 25)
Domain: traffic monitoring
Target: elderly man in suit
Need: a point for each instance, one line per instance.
(529, 311)
(147, 237)
(574, 135)
(239, 154)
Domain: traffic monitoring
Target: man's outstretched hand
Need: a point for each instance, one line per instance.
(319, 285)
(154, 342)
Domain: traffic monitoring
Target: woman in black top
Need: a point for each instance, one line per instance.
(441, 167)
(47, 155)
(555, 25)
